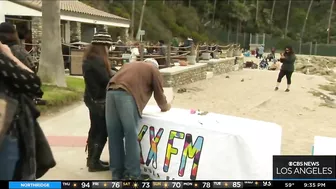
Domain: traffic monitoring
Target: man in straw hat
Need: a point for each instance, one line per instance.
(128, 93)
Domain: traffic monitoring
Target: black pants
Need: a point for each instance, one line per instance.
(286, 73)
(98, 130)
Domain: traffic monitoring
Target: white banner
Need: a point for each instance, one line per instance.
(182, 146)
(324, 145)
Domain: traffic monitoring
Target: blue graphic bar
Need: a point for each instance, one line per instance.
(34, 185)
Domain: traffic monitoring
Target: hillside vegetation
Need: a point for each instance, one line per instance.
(205, 20)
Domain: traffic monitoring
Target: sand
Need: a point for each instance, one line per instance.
(298, 112)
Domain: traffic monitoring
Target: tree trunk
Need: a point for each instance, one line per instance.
(141, 18)
(287, 19)
(257, 10)
(228, 26)
(272, 13)
(237, 32)
(189, 5)
(132, 19)
(329, 22)
(304, 23)
(51, 65)
(240, 22)
(214, 13)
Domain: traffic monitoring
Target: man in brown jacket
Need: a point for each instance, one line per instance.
(128, 93)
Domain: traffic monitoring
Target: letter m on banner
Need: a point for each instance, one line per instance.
(192, 151)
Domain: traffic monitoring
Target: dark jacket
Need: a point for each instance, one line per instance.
(20, 53)
(36, 157)
(288, 62)
(96, 79)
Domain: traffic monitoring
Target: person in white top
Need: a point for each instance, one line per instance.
(134, 52)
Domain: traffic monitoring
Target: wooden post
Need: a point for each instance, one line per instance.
(168, 53)
(141, 49)
(192, 49)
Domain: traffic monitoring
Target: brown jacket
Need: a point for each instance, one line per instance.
(140, 79)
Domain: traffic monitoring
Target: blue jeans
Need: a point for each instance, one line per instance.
(9, 156)
(122, 118)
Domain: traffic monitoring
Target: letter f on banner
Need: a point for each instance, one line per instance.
(170, 149)
(152, 154)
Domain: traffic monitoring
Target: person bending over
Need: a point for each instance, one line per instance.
(128, 93)
(288, 59)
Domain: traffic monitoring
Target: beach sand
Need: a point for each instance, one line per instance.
(298, 112)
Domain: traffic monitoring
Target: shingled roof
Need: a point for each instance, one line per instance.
(74, 6)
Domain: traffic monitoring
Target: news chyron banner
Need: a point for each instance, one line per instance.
(304, 167)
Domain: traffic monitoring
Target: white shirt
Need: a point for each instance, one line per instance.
(135, 51)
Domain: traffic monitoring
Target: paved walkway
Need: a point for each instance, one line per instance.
(67, 134)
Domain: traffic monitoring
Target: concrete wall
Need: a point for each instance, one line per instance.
(180, 75)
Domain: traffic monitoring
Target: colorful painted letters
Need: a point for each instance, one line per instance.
(152, 154)
(170, 149)
(190, 150)
(140, 136)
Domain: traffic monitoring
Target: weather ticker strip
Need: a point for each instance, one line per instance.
(167, 184)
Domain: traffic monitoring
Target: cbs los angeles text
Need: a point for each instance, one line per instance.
(304, 168)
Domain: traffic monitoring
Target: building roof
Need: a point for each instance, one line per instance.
(74, 6)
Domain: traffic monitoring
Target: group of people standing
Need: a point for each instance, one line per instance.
(115, 101)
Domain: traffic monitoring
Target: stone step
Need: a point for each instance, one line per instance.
(209, 75)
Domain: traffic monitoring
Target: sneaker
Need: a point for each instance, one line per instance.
(276, 88)
(287, 90)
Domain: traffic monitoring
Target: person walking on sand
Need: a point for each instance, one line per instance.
(288, 59)
(128, 93)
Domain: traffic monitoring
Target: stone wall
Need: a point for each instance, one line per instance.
(177, 76)
(75, 31)
(225, 65)
(36, 29)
